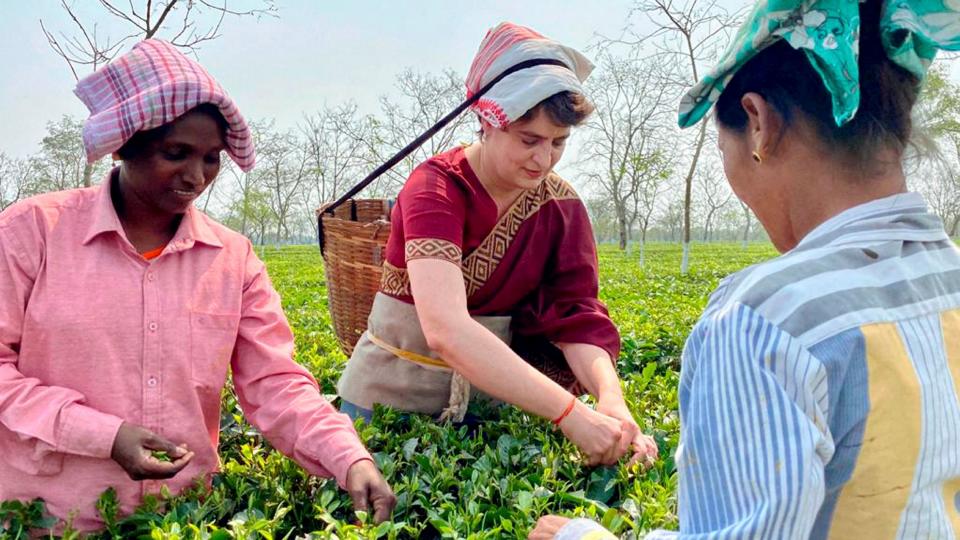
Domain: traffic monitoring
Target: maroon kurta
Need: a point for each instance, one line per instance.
(537, 263)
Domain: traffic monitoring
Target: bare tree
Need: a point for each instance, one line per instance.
(671, 220)
(281, 172)
(687, 33)
(424, 98)
(936, 154)
(246, 185)
(216, 199)
(939, 181)
(184, 23)
(747, 219)
(334, 140)
(337, 146)
(251, 214)
(647, 198)
(15, 179)
(714, 196)
(621, 154)
(260, 213)
(937, 113)
(602, 218)
(61, 162)
(234, 191)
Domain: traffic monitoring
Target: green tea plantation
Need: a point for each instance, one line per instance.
(490, 482)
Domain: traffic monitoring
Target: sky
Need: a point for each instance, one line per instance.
(315, 52)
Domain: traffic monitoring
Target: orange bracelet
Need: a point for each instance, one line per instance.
(566, 411)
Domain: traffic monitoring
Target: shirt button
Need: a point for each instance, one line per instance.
(151, 276)
(151, 382)
(152, 326)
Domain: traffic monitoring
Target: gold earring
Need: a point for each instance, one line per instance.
(756, 157)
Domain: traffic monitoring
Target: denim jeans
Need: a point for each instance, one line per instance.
(354, 411)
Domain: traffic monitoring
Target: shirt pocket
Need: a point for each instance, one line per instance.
(212, 339)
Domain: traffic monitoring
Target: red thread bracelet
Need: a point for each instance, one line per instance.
(565, 411)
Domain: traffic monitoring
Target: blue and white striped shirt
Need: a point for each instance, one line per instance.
(819, 390)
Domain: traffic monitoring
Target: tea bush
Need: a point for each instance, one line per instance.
(490, 481)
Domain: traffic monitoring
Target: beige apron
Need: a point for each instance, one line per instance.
(392, 364)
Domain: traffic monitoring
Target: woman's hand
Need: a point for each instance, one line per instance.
(144, 455)
(645, 449)
(547, 527)
(367, 488)
(600, 437)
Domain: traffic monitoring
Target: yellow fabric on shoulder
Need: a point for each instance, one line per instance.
(950, 322)
(871, 504)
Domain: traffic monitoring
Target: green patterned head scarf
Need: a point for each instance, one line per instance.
(828, 32)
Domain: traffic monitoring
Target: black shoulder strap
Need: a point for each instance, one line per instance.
(435, 128)
(385, 166)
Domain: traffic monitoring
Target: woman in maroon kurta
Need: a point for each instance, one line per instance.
(490, 277)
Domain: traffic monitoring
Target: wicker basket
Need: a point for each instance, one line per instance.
(353, 241)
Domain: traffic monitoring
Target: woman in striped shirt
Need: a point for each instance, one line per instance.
(819, 390)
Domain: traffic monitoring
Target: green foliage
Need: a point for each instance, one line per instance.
(18, 518)
(938, 110)
(61, 162)
(488, 481)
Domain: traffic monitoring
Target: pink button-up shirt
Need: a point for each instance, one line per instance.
(92, 335)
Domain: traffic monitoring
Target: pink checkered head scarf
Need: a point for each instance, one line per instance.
(152, 85)
(507, 45)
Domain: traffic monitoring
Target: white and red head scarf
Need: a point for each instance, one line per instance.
(149, 86)
(507, 45)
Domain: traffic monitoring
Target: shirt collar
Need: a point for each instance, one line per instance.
(887, 213)
(104, 217)
(193, 227)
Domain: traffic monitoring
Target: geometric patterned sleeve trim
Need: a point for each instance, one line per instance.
(395, 280)
(432, 248)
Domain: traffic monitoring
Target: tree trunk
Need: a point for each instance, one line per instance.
(746, 228)
(688, 195)
(245, 209)
(87, 174)
(643, 245)
(622, 224)
(209, 194)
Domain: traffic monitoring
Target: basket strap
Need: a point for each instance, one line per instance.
(437, 127)
(416, 143)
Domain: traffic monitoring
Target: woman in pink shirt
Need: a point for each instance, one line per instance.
(122, 307)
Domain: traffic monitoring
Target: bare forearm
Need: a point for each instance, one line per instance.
(490, 365)
(593, 368)
(480, 356)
